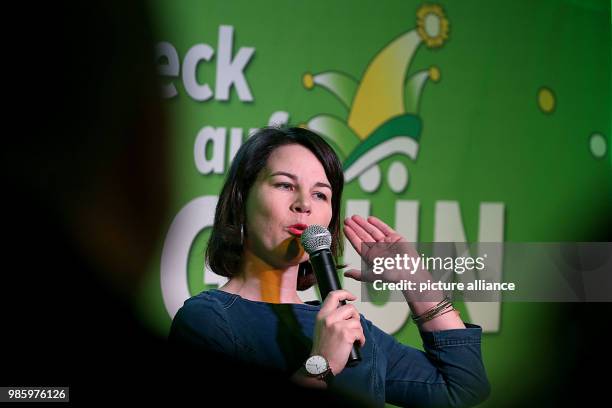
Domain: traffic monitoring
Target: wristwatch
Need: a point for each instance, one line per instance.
(318, 366)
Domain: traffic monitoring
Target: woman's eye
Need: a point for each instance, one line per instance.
(321, 196)
(284, 186)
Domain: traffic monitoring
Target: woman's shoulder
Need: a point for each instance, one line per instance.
(208, 302)
(203, 321)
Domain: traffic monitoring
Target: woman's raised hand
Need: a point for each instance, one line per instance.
(373, 231)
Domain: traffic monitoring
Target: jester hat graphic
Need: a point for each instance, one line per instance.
(382, 108)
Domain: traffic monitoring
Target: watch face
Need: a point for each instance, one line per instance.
(316, 365)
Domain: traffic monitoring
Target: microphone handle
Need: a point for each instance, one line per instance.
(327, 278)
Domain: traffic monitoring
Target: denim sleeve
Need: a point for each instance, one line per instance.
(449, 373)
(202, 324)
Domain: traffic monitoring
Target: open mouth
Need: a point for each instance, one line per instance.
(297, 229)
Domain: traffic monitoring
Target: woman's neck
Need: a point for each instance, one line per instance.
(261, 282)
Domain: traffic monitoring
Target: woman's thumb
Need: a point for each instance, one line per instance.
(353, 274)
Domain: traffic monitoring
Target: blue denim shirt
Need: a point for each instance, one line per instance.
(449, 373)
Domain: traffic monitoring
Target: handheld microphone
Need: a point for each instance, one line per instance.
(316, 240)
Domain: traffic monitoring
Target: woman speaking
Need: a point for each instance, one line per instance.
(280, 182)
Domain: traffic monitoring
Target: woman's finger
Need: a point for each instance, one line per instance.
(353, 238)
(387, 230)
(353, 274)
(333, 299)
(361, 233)
(360, 337)
(355, 329)
(342, 313)
(370, 228)
(393, 238)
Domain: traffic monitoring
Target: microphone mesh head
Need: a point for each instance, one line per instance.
(316, 237)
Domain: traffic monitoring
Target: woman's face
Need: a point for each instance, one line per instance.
(290, 193)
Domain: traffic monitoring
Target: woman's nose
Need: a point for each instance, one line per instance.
(301, 205)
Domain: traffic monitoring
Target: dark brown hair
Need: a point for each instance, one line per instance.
(225, 246)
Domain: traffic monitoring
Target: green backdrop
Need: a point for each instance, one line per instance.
(504, 109)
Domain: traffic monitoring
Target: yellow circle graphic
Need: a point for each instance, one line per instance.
(434, 73)
(546, 100)
(308, 81)
(432, 25)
